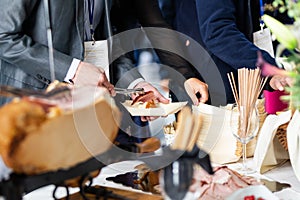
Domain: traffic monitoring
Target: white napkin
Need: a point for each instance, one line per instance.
(215, 135)
(293, 139)
(269, 152)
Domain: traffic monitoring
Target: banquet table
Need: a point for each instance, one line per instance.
(283, 173)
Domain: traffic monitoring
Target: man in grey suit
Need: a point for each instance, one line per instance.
(24, 51)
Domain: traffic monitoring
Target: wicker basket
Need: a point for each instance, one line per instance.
(281, 135)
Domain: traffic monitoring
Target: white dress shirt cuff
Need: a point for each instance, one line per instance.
(135, 82)
(72, 70)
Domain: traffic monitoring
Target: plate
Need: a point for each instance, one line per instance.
(256, 190)
(160, 110)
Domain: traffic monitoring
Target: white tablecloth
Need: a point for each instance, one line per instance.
(282, 173)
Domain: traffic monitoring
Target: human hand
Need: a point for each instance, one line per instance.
(89, 74)
(194, 86)
(159, 97)
(148, 87)
(280, 77)
(278, 82)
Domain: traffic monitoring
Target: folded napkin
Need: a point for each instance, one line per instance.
(293, 140)
(269, 152)
(215, 135)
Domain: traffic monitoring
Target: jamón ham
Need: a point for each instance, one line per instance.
(37, 138)
(220, 185)
(146, 97)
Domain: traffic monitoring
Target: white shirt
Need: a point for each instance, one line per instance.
(98, 12)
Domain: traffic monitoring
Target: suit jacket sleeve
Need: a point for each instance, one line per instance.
(149, 15)
(221, 36)
(18, 48)
(124, 71)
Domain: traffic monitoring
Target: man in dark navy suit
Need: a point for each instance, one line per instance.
(224, 28)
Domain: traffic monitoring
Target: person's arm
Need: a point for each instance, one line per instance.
(221, 36)
(149, 15)
(125, 73)
(20, 49)
(128, 76)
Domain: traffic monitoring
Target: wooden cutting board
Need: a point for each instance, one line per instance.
(124, 193)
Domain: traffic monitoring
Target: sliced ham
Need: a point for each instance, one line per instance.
(146, 97)
(221, 184)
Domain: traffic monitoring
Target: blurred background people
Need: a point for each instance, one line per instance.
(225, 29)
(24, 52)
(130, 14)
(24, 48)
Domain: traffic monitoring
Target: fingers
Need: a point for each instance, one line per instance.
(110, 88)
(143, 119)
(204, 94)
(103, 81)
(148, 118)
(160, 97)
(193, 96)
(90, 75)
(148, 87)
(279, 86)
(193, 87)
(200, 94)
(289, 81)
(280, 82)
(275, 83)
